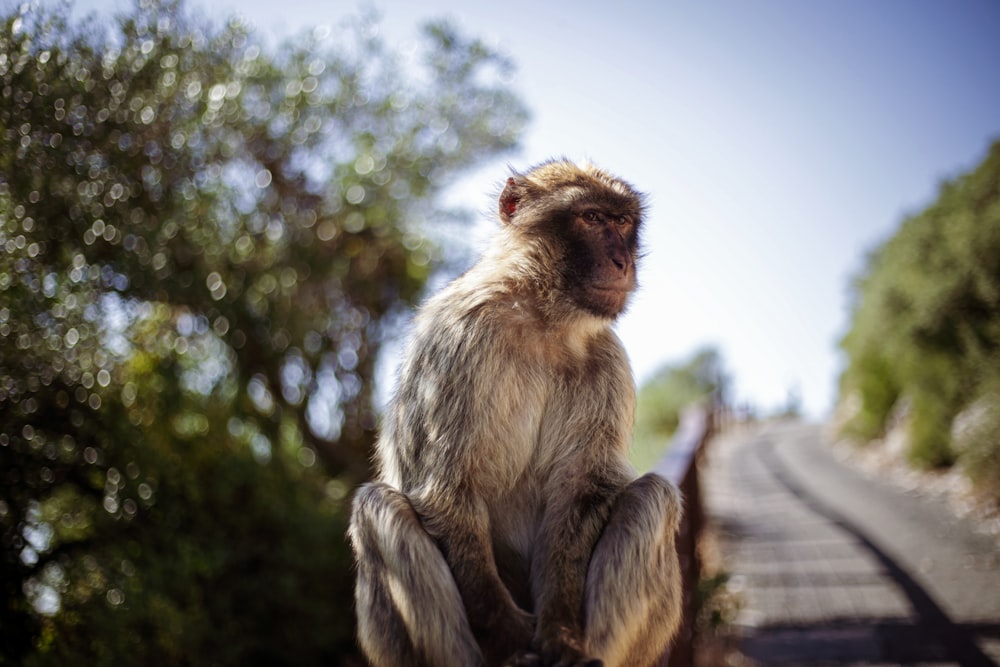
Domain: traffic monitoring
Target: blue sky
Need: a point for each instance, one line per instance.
(779, 142)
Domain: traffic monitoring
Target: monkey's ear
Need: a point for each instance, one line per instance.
(509, 199)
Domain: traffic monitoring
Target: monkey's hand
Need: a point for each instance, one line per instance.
(523, 659)
(530, 659)
(565, 650)
(509, 638)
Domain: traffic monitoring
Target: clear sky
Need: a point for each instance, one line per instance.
(779, 141)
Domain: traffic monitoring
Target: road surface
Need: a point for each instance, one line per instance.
(834, 568)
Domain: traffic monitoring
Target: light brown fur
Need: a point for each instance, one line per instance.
(506, 525)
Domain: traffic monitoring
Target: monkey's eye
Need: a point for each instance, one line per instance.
(591, 216)
(621, 220)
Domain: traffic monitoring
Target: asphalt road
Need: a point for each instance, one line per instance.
(834, 567)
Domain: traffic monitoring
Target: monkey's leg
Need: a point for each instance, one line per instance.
(409, 609)
(633, 597)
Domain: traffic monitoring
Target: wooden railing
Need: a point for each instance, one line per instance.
(680, 466)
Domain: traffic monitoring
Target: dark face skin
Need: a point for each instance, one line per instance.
(600, 260)
(597, 239)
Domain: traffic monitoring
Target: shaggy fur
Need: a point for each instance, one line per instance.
(506, 526)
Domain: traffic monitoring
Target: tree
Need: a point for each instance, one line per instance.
(924, 340)
(663, 397)
(204, 242)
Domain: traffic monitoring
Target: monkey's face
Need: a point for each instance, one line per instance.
(600, 258)
(587, 223)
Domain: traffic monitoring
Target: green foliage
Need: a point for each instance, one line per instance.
(876, 394)
(717, 607)
(204, 241)
(926, 320)
(662, 398)
(979, 440)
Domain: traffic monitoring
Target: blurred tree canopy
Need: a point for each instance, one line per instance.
(204, 241)
(663, 397)
(924, 341)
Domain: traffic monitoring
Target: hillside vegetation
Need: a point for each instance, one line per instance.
(664, 395)
(923, 348)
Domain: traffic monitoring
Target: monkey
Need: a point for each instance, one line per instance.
(505, 525)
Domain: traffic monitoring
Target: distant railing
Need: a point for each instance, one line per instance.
(680, 466)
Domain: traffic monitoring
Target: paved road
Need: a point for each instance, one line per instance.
(834, 568)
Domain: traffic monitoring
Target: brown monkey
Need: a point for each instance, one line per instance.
(507, 526)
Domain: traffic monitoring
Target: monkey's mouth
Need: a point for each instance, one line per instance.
(607, 299)
(615, 287)
(620, 286)
(609, 295)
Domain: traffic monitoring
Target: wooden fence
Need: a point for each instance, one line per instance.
(680, 465)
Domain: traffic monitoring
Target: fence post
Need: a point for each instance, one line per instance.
(680, 466)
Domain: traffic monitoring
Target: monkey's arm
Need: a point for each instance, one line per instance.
(460, 526)
(573, 521)
(450, 444)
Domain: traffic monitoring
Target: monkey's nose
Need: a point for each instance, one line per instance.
(620, 261)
